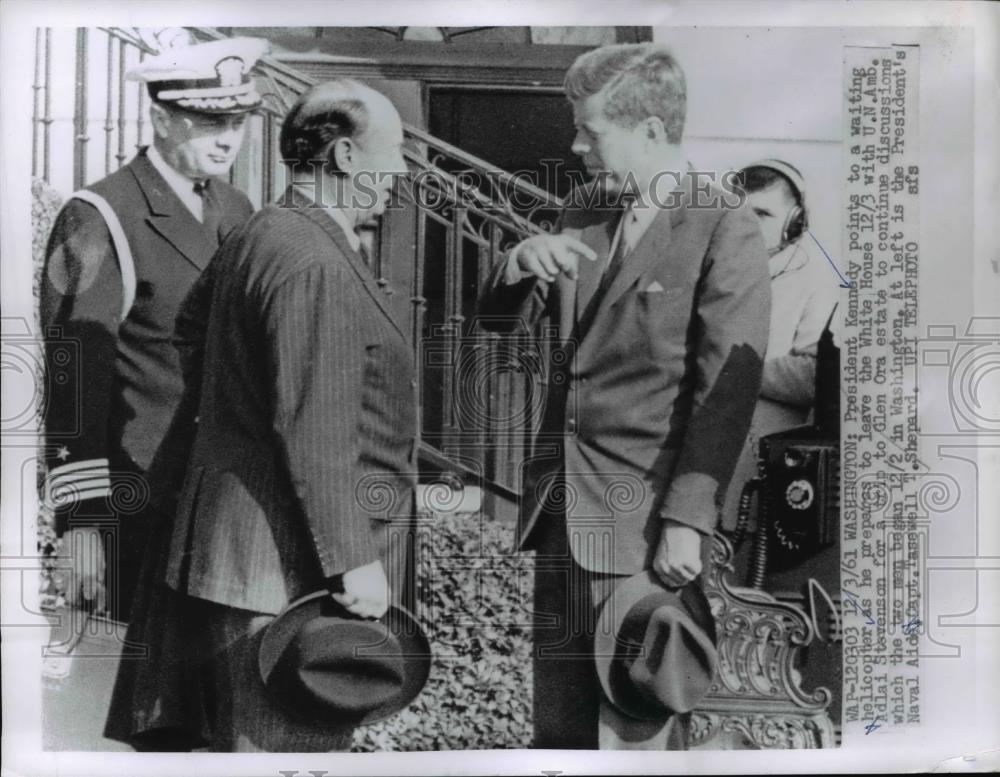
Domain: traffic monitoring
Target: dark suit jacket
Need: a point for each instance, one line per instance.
(654, 383)
(304, 449)
(116, 384)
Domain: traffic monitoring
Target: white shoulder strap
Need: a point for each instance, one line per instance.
(126, 264)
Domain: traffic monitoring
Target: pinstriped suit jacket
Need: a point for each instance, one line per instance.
(304, 449)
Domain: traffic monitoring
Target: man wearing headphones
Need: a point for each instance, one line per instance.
(804, 292)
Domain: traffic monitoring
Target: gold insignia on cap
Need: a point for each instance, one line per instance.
(211, 77)
(230, 71)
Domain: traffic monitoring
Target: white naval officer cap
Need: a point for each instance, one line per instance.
(209, 77)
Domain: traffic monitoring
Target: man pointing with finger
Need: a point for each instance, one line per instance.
(658, 286)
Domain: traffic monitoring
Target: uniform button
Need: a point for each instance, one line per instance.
(197, 419)
(571, 424)
(413, 384)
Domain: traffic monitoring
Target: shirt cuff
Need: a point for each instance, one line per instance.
(691, 501)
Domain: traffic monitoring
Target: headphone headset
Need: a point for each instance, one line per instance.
(797, 221)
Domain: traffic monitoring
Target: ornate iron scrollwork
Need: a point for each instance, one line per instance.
(757, 731)
(757, 699)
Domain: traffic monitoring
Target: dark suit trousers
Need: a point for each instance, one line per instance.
(570, 710)
(567, 692)
(198, 682)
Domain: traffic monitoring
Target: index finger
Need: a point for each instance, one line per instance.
(581, 248)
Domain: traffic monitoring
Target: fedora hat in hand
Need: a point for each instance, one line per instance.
(655, 647)
(318, 660)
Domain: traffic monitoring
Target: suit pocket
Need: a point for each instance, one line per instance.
(667, 308)
(654, 293)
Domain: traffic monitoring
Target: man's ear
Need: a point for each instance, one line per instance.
(654, 129)
(343, 153)
(161, 119)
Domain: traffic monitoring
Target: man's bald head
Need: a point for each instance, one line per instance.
(346, 133)
(342, 108)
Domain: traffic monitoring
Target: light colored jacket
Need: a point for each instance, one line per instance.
(804, 290)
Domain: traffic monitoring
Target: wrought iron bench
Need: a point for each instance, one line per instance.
(757, 701)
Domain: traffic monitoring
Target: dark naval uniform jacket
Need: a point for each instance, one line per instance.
(114, 382)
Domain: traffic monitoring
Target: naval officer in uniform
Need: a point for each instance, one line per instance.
(122, 256)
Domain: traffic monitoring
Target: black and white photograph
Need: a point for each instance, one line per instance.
(577, 393)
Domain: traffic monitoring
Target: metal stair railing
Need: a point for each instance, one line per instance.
(466, 213)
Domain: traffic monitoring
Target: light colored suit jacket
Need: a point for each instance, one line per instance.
(652, 384)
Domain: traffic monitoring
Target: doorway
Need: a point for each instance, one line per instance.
(516, 129)
(521, 130)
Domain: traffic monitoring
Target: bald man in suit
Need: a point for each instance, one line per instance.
(304, 450)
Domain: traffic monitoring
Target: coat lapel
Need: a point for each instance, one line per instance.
(598, 237)
(567, 299)
(654, 244)
(653, 247)
(170, 217)
(315, 214)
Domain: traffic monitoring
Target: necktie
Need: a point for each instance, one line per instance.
(626, 238)
(210, 216)
(622, 244)
(365, 246)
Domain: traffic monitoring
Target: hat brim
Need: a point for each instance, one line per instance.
(607, 649)
(215, 106)
(414, 646)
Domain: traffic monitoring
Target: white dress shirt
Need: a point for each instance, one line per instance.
(179, 183)
(804, 291)
(631, 227)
